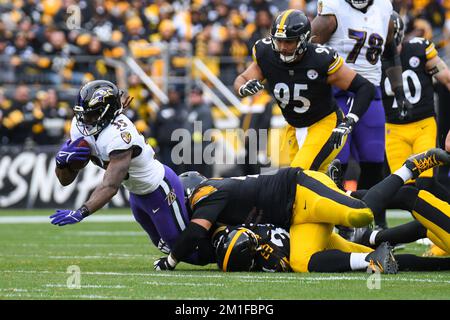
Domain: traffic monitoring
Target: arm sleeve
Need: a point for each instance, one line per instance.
(364, 92)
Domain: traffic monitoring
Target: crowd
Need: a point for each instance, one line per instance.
(47, 51)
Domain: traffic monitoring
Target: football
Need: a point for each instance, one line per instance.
(78, 165)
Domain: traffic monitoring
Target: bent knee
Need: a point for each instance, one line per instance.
(360, 218)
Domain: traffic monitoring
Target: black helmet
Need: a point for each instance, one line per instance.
(236, 249)
(399, 27)
(98, 103)
(190, 181)
(291, 25)
(360, 4)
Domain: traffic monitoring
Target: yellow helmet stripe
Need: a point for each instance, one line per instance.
(283, 20)
(230, 248)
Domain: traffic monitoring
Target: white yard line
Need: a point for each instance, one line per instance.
(45, 219)
(402, 277)
(87, 286)
(154, 283)
(127, 218)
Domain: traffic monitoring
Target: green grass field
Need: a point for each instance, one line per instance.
(116, 262)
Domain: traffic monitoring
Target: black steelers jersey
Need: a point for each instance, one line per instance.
(301, 87)
(417, 82)
(265, 198)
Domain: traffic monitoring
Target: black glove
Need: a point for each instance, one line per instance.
(250, 88)
(404, 106)
(162, 264)
(341, 131)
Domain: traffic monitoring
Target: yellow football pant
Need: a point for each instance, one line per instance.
(319, 205)
(434, 214)
(404, 140)
(312, 151)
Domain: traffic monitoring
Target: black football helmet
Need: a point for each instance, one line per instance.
(399, 28)
(291, 25)
(190, 181)
(235, 249)
(98, 104)
(360, 4)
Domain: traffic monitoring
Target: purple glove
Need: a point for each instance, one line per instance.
(71, 152)
(63, 217)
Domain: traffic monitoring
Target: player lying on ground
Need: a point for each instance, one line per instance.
(266, 248)
(432, 215)
(156, 193)
(308, 203)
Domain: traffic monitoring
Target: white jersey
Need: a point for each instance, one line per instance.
(145, 172)
(359, 37)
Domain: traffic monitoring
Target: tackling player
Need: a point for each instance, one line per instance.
(309, 204)
(156, 193)
(299, 75)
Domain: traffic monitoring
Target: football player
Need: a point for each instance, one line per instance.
(156, 193)
(415, 130)
(252, 247)
(361, 32)
(299, 75)
(306, 202)
(244, 248)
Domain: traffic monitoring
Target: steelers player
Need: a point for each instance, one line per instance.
(299, 75)
(414, 130)
(305, 202)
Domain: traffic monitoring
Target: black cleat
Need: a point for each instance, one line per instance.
(382, 260)
(426, 160)
(361, 236)
(334, 171)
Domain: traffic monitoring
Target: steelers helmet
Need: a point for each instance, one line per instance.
(97, 105)
(291, 25)
(360, 4)
(190, 181)
(399, 28)
(236, 249)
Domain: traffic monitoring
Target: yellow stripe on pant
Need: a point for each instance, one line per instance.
(315, 153)
(319, 205)
(434, 214)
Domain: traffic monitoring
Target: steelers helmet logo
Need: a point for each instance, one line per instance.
(414, 62)
(312, 74)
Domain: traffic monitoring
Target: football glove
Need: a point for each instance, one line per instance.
(341, 131)
(163, 264)
(404, 106)
(250, 88)
(63, 217)
(71, 152)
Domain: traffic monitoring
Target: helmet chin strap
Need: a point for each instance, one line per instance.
(288, 59)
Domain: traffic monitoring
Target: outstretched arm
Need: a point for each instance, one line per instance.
(195, 231)
(114, 175)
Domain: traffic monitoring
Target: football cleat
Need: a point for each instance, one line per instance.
(426, 160)
(382, 260)
(334, 171)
